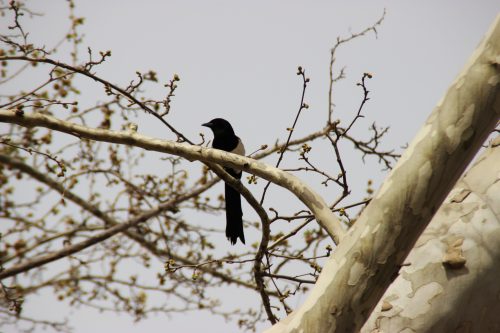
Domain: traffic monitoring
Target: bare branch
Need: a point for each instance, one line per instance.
(312, 200)
(370, 256)
(341, 74)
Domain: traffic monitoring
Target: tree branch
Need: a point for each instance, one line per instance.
(116, 228)
(370, 256)
(85, 71)
(208, 155)
(84, 204)
(458, 255)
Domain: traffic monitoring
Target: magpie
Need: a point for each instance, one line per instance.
(225, 139)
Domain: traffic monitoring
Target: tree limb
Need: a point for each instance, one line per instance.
(311, 199)
(116, 228)
(453, 268)
(369, 257)
(84, 204)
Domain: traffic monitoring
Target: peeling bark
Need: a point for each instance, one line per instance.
(369, 257)
(451, 281)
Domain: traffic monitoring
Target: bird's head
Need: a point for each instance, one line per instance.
(219, 126)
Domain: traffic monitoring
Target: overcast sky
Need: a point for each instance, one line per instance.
(238, 60)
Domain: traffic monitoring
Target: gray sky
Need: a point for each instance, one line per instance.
(238, 59)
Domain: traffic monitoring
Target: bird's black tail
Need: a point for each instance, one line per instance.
(234, 215)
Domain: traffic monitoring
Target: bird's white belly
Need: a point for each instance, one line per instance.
(240, 149)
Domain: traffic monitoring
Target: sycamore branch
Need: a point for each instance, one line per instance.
(85, 71)
(108, 220)
(115, 229)
(458, 255)
(312, 200)
(370, 256)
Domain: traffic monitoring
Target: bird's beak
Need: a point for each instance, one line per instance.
(209, 124)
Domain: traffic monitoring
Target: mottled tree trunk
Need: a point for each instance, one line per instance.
(369, 257)
(451, 283)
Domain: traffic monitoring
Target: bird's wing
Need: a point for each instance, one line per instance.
(240, 149)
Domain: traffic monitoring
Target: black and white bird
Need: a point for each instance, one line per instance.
(225, 139)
